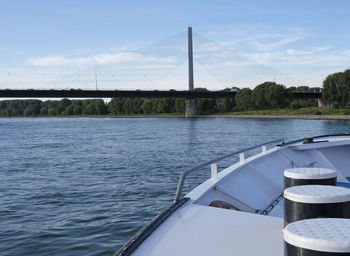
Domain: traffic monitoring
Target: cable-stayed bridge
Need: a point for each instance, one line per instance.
(155, 71)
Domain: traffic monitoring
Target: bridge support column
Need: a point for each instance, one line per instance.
(321, 103)
(191, 108)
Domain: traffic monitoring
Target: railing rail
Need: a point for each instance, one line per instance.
(213, 164)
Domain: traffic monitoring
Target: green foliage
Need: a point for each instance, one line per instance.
(277, 96)
(29, 108)
(206, 106)
(336, 89)
(271, 95)
(244, 99)
(147, 106)
(258, 95)
(180, 106)
(303, 103)
(100, 107)
(221, 106)
(116, 106)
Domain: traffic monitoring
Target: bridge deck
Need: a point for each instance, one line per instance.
(132, 94)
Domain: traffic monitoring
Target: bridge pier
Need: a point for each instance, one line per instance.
(191, 108)
(321, 103)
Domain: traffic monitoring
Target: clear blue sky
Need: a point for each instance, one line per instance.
(305, 39)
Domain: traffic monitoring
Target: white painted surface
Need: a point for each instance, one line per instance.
(259, 179)
(214, 171)
(317, 194)
(339, 158)
(322, 234)
(310, 173)
(241, 158)
(207, 231)
(250, 184)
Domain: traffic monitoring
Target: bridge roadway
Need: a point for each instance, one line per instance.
(132, 94)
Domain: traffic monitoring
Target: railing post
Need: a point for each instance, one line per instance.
(241, 157)
(214, 171)
(180, 187)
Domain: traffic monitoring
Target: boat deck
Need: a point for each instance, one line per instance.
(192, 231)
(254, 186)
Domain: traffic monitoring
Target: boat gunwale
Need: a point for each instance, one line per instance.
(198, 167)
(315, 137)
(278, 146)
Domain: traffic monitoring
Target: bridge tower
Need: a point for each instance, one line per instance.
(191, 104)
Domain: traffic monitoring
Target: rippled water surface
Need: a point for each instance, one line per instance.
(83, 186)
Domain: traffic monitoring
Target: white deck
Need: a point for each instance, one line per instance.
(197, 229)
(201, 230)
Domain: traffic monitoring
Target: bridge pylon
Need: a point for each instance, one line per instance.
(191, 104)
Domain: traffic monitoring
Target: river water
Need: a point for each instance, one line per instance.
(84, 186)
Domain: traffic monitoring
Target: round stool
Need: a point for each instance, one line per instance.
(309, 176)
(314, 201)
(321, 237)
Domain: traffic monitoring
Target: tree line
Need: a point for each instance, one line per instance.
(117, 106)
(267, 95)
(270, 95)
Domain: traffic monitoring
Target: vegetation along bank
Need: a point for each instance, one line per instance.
(265, 99)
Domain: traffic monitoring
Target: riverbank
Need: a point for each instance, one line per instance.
(310, 117)
(302, 113)
(312, 113)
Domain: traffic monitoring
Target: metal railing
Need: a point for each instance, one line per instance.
(213, 163)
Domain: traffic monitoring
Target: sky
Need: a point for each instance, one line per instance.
(42, 40)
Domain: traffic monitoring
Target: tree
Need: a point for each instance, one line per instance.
(115, 106)
(258, 95)
(52, 111)
(277, 96)
(180, 105)
(68, 110)
(62, 105)
(147, 106)
(271, 95)
(221, 105)
(100, 107)
(302, 88)
(336, 89)
(206, 106)
(244, 99)
(76, 107)
(44, 110)
(32, 107)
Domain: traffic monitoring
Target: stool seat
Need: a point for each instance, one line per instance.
(310, 173)
(321, 234)
(317, 194)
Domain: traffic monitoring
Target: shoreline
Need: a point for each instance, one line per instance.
(307, 117)
(245, 116)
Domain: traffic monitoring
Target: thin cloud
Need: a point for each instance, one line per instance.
(278, 44)
(329, 59)
(258, 36)
(307, 52)
(105, 58)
